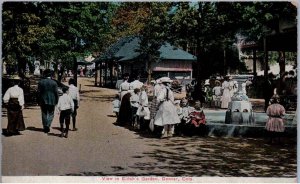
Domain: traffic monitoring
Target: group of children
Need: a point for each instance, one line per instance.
(192, 119)
(67, 107)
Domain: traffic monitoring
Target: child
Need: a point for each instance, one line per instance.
(65, 106)
(134, 102)
(217, 94)
(143, 111)
(275, 124)
(197, 119)
(116, 105)
(183, 113)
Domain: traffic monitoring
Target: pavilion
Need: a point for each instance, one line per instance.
(173, 62)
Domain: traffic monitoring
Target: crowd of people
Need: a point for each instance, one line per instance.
(48, 99)
(141, 107)
(162, 115)
(215, 92)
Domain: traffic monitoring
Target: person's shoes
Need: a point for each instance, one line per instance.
(66, 135)
(170, 135)
(46, 129)
(61, 135)
(164, 136)
(74, 129)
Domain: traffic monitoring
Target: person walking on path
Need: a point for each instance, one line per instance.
(275, 125)
(74, 94)
(65, 106)
(166, 115)
(14, 98)
(48, 98)
(226, 98)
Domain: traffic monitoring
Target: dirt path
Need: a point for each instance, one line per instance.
(100, 148)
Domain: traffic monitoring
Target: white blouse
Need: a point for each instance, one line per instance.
(14, 92)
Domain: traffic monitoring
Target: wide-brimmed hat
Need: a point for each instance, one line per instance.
(15, 77)
(165, 80)
(218, 82)
(207, 82)
(275, 99)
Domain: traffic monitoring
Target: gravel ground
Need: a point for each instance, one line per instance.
(100, 148)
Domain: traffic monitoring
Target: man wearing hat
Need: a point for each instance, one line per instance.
(48, 98)
(14, 98)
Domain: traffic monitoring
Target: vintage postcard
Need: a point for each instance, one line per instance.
(149, 92)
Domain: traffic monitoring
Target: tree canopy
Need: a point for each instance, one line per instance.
(60, 31)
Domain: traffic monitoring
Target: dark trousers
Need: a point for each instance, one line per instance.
(65, 117)
(74, 113)
(47, 116)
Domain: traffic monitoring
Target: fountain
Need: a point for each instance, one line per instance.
(239, 109)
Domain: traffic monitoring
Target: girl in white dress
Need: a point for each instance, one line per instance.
(166, 115)
(226, 98)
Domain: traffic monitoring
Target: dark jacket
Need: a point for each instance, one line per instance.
(48, 91)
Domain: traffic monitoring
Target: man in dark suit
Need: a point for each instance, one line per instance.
(48, 98)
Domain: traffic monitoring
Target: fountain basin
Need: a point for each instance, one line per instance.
(234, 130)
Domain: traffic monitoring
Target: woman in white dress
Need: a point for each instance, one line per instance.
(166, 115)
(226, 98)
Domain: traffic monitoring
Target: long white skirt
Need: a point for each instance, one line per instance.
(226, 98)
(166, 114)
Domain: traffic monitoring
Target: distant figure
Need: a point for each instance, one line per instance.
(81, 72)
(4, 72)
(231, 86)
(74, 94)
(14, 98)
(66, 107)
(275, 125)
(48, 98)
(217, 94)
(37, 71)
(226, 97)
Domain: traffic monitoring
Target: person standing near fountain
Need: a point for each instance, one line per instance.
(226, 98)
(166, 115)
(275, 125)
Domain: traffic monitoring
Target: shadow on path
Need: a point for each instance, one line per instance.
(35, 129)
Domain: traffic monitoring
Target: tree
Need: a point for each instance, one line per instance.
(22, 30)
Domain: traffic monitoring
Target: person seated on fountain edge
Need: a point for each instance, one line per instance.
(196, 122)
(183, 111)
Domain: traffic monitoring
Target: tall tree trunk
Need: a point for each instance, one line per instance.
(96, 73)
(254, 63)
(75, 69)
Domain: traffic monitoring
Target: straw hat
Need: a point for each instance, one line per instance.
(207, 82)
(218, 82)
(166, 80)
(15, 77)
